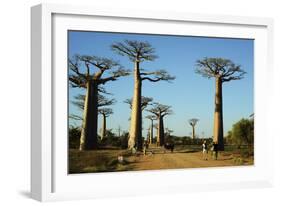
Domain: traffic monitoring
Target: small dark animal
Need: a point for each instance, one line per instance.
(169, 146)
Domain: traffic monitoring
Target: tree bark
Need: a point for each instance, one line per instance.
(88, 139)
(162, 140)
(193, 132)
(103, 132)
(218, 117)
(160, 131)
(151, 133)
(135, 138)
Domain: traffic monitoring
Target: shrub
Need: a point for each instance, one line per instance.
(74, 134)
(242, 133)
(124, 140)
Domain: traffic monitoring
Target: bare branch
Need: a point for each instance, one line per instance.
(103, 90)
(76, 81)
(135, 50)
(74, 65)
(151, 80)
(123, 50)
(76, 78)
(145, 101)
(104, 80)
(102, 101)
(160, 110)
(75, 117)
(79, 79)
(105, 111)
(115, 75)
(147, 73)
(193, 121)
(219, 67)
(230, 74)
(151, 117)
(79, 101)
(99, 62)
(158, 75)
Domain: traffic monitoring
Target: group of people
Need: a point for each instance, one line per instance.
(205, 150)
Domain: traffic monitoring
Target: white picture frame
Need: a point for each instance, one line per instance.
(49, 178)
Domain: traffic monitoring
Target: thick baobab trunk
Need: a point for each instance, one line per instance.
(151, 133)
(193, 132)
(88, 139)
(162, 140)
(103, 131)
(160, 132)
(218, 117)
(135, 138)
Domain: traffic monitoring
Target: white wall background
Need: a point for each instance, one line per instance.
(15, 95)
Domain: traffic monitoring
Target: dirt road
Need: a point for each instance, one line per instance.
(180, 159)
(155, 159)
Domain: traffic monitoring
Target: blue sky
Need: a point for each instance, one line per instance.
(190, 95)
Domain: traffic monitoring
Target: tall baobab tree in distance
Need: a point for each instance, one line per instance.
(160, 111)
(145, 101)
(137, 52)
(87, 72)
(105, 112)
(223, 70)
(192, 123)
(102, 101)
(79, 101)
(151, 118)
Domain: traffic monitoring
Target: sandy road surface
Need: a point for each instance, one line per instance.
(180, 159)
(155, 159)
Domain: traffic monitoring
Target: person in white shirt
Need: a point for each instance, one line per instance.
(205, 150)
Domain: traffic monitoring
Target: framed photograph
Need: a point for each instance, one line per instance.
(137, 102)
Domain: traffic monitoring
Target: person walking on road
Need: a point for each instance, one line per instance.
(215, 150)
(205, 150)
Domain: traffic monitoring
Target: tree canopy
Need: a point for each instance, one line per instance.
(135, 50)
(151, 117)
(138, 51)
(219, 67)
(145, 101)
(193, 122)
(105, 111)
(102, 101)
(160, 110)
(95, 68)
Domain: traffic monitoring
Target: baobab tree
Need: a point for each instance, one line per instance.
(145, 101)
(160, 111)
(223, 70)
(148, 135)
(87, 72)
(79, 101)
(138, 52)
(192, 123)
(105, 112)
(151, 118)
